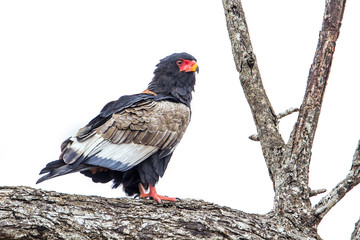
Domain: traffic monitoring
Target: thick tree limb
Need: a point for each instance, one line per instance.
(264, 116)
(292, 188)
(28, 213)
(303, 135)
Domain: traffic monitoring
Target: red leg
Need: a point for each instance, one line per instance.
(142, 191)
(153, 194)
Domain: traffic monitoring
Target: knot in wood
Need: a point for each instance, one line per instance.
(250, 59)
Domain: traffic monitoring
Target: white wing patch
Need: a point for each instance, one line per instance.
(129, 154)
(96, 148)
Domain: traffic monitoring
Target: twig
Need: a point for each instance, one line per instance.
(287, 112)
(317, 192)
(254, 137)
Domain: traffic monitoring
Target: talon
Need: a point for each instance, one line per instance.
(153, 194)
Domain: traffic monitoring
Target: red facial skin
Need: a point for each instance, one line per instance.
(187, 65)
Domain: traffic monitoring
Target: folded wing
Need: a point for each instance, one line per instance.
(126, 138)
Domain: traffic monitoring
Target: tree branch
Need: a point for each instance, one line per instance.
(338, 192)
(289, 164)
(293, 180)
(287, 112)
(264, 116)
(302, 137)
(305, 127)
(317, 192)
(28, 213)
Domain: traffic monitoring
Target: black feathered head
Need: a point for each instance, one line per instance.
(175, 75)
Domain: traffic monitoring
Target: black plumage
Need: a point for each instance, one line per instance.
(133, 138)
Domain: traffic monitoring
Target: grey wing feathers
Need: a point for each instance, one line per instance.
(130, 136)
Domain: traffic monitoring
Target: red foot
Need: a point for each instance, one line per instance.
(152, 194)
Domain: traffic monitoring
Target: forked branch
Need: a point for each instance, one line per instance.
(288, 164)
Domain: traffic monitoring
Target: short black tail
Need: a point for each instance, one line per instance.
(59, 167)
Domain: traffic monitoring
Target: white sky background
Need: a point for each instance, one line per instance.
(61, 61)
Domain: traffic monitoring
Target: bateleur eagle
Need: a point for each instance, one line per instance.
(133, 138)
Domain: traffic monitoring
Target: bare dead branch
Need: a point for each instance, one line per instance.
(250, 79)
(288, 164)
(318, 75)
(303, 136)
(287, 112)
(338, 192)
(297, 155)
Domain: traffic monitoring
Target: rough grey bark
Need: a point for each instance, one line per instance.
(245, 60)
(289, 163)
(27, 213)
